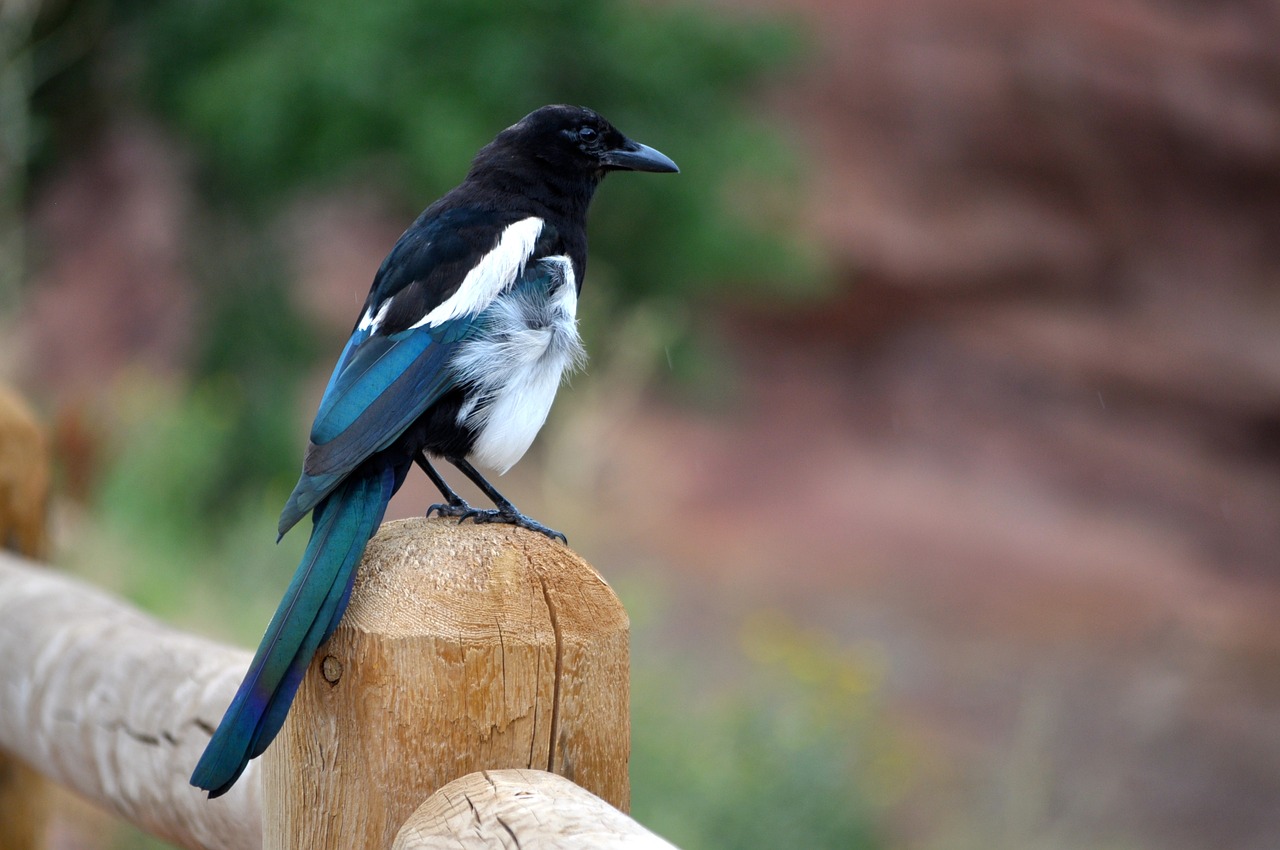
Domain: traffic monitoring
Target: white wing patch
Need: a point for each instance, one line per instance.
(496, 271)
(516, 370)
(371, 320)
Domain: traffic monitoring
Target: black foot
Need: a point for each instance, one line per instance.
(510, 518)
(457, 509)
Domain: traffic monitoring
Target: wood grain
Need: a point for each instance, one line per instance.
(525, 809)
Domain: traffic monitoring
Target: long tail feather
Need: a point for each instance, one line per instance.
(308, 614)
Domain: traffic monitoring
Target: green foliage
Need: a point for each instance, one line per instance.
(279, 98)
(281, 95)
(785, 757)
(189, 458)
(165, 533)
(167, 460)
(254, 350)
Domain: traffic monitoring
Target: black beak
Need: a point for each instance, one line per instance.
(634, 156)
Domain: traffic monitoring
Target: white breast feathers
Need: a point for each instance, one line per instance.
(515, 366)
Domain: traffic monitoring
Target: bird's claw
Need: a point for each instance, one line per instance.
(458, 509)
(478, 516)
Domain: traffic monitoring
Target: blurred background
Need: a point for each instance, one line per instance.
(932, 429)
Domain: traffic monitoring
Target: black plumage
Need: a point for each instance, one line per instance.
(466, 333)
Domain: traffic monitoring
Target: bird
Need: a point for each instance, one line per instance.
(467, 332)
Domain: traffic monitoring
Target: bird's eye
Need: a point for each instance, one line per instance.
(587, 134)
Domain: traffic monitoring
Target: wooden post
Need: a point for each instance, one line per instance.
(24, 494)
(464, 648)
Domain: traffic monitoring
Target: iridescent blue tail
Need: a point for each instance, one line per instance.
(308, 614)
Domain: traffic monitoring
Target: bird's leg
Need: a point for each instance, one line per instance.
(454, 504)
(506, 512)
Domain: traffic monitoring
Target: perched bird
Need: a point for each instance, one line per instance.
(466, 333)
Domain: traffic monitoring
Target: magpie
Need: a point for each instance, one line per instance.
(467, 331)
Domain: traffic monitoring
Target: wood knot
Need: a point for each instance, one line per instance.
(331, 669)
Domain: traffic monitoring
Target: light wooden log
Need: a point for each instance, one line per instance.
(24, 495)
(464, 648)
(527, 809)
(111, 704)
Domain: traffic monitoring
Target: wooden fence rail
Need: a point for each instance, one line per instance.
(464, 649)
(108, 702)
(521, 809)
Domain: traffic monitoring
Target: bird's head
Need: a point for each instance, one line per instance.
(577, 139)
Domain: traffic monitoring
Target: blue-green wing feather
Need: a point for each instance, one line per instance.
(382, 386)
